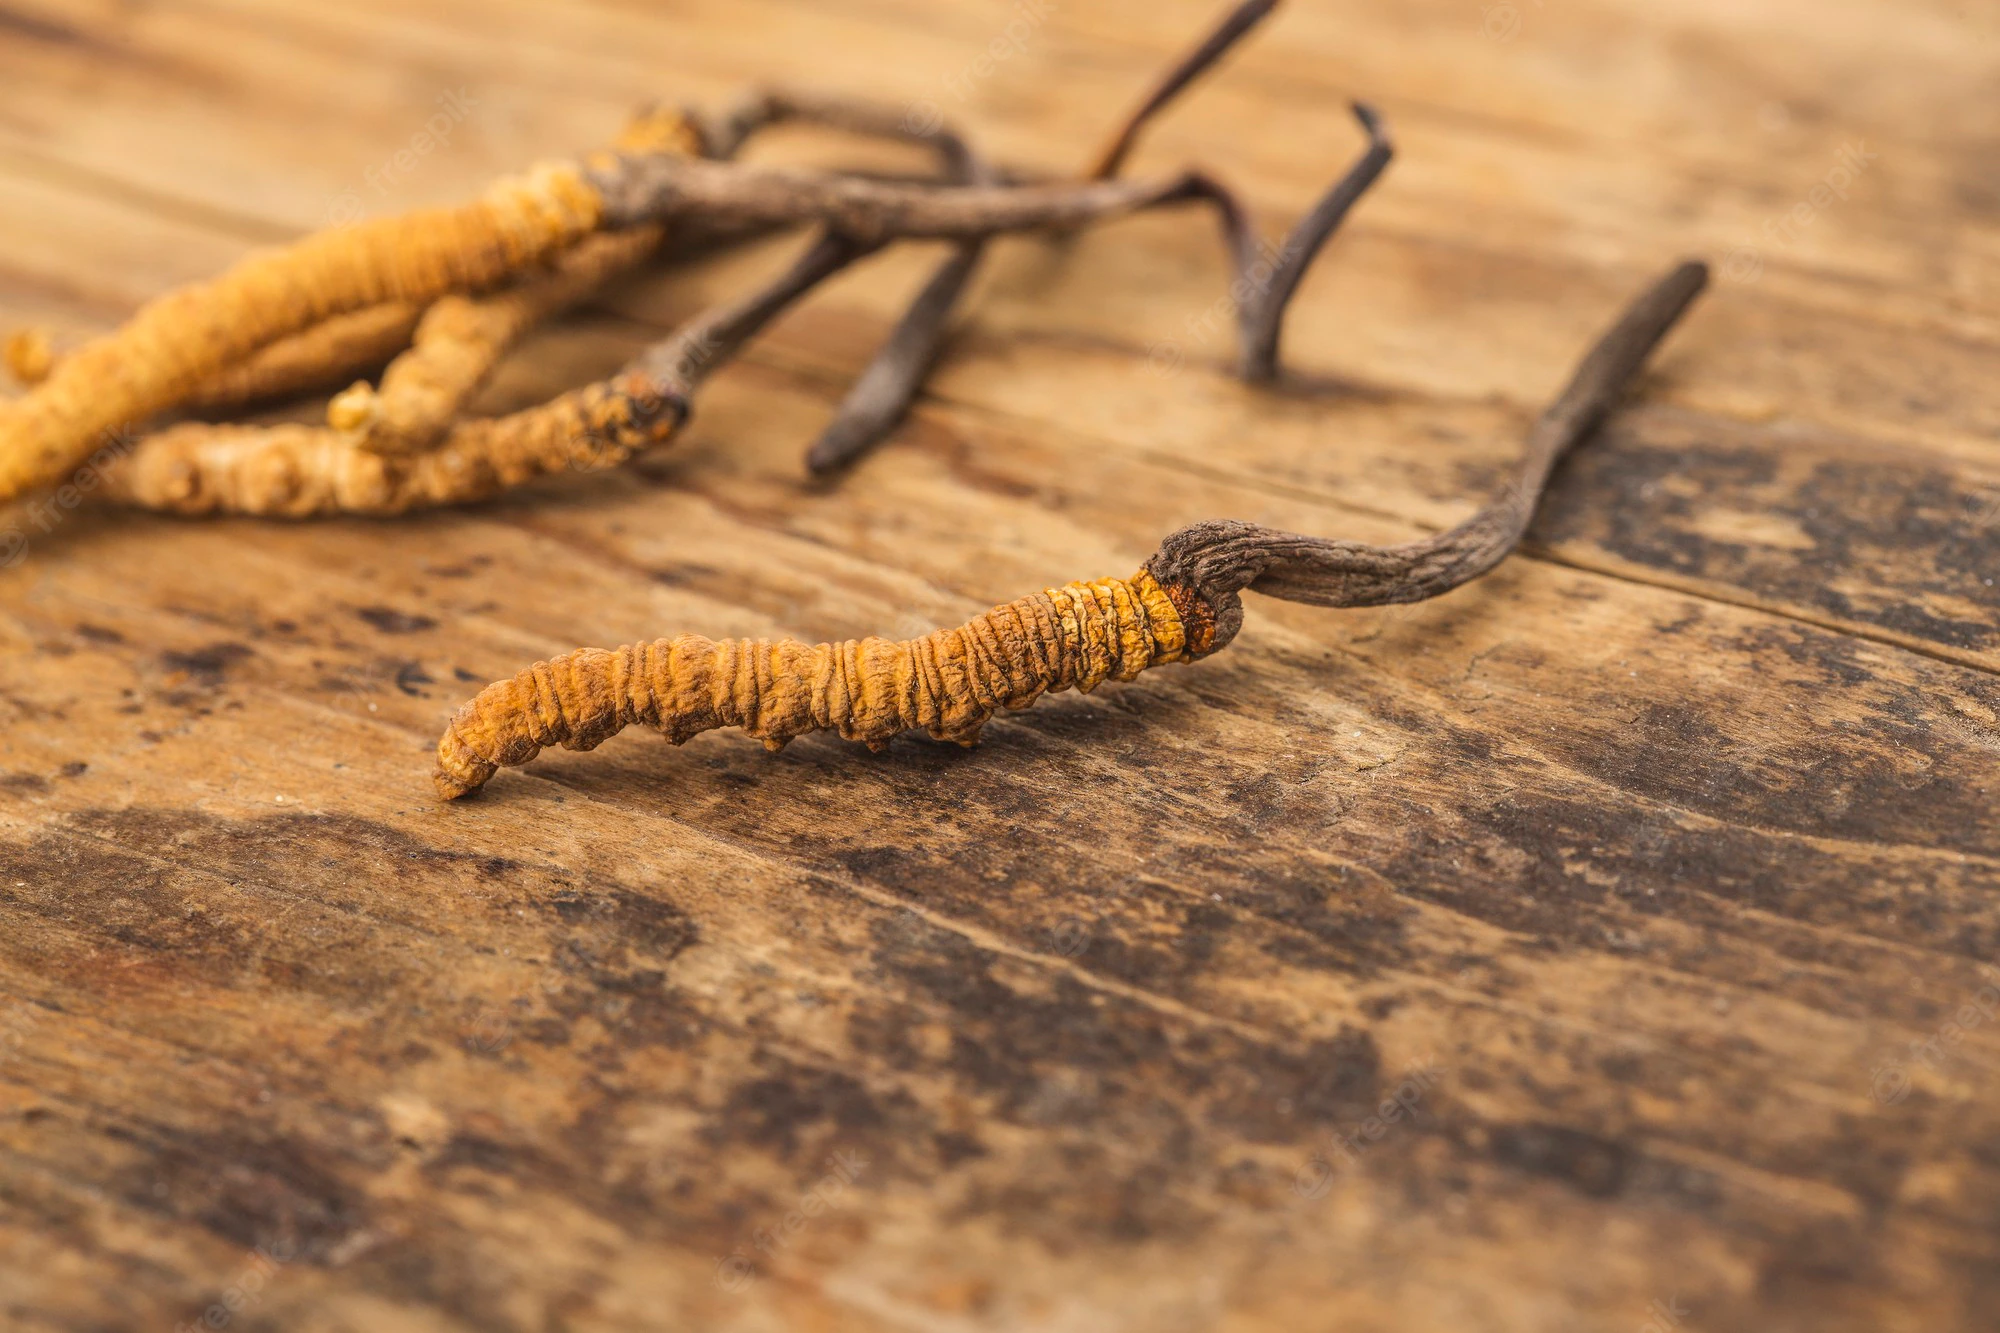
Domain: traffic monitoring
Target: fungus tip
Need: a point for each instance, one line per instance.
(355, 409)
(30, 355)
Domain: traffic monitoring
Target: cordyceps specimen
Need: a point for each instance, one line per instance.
(465, 283)
(1183, 604)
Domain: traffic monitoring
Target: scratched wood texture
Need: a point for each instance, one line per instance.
(1657, 872)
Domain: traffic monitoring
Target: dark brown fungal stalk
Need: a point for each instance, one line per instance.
(882, 396)
(654, 188)
(1215, 561)
(1183, 604)
(1263, 319)
(1234, 26)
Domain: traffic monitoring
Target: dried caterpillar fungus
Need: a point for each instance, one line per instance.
(670, 170)
(948, 683)
(297, 471)
(462, 337)
(180, 340)
(307, 471)
(454, 345)
(311, 471)
(1184, 604)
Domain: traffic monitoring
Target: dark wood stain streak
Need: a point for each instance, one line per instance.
(35, 28)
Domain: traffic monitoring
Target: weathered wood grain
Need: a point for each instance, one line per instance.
(1638, 867)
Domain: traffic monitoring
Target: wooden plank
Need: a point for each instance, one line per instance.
(1638, 867)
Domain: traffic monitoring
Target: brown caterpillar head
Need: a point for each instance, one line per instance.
(635, 411)
(1198, 618)
(1202, 568)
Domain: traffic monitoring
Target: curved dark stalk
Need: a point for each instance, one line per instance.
(702, 345)
(881, 398)
(1192, 66)
(724, 136)
(1263, 320)
(978, 203)
(1217, 560)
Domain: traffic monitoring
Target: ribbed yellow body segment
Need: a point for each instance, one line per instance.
(175, 343)
(310, 471)
(949, 683)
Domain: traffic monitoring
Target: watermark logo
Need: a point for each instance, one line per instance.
(923, 119)
(925, 116)
(437, 133)
(1501, 22)
(1166, 357)
(1889, 1084)
(1983, 506)
(1315, 1176)
(1664, 1316)
(1745, 263)
(737, 1269)
(343, 209)
(246, 1291)
(490, 1033)
(453, 109)
(1070, 937)
(47, 512)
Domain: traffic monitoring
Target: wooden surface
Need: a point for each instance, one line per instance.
(1637, 868)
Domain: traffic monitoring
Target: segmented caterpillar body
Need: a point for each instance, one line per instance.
(431, 456)
(311, 471)
(949, 683)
